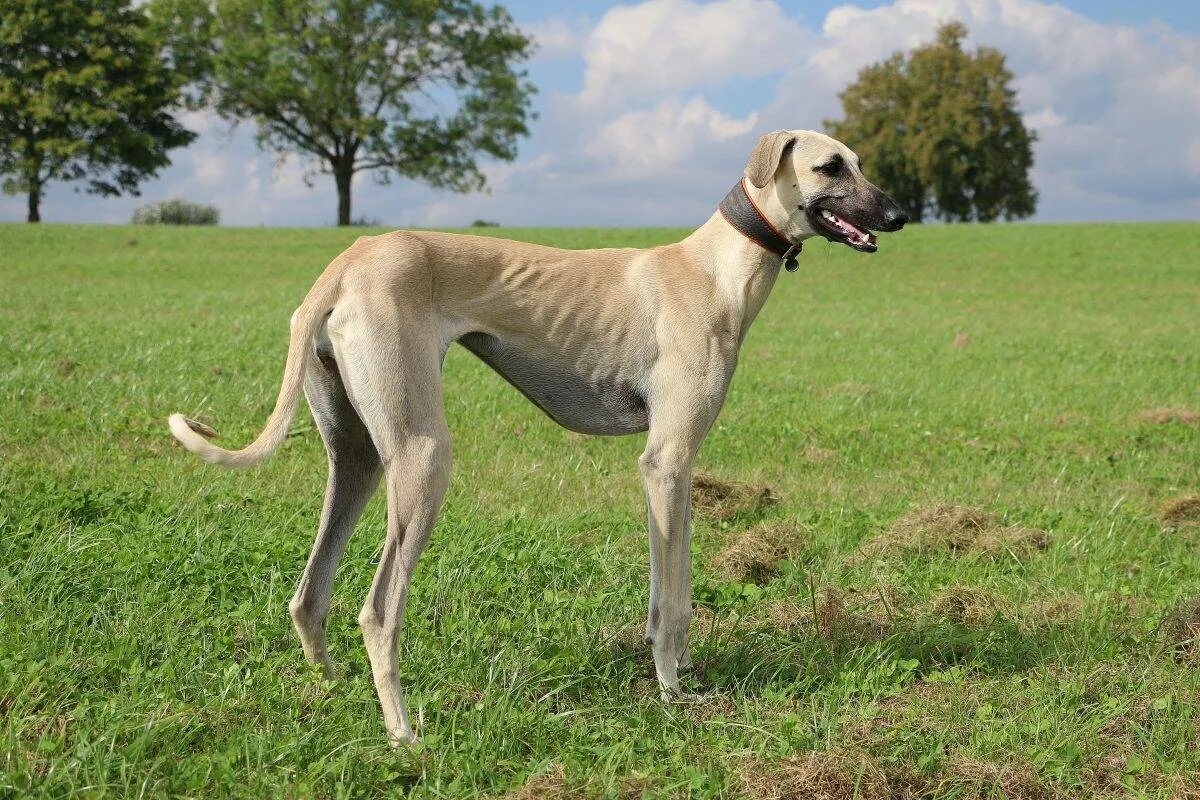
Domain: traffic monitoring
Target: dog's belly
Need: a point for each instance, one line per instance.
(576, 401)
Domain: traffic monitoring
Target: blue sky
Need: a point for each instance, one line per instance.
(647, 111)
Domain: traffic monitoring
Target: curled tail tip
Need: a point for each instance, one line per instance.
(195, 425)
(193, 435)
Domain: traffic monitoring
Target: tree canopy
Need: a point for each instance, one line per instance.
(411, 88)
(941, 131)
(84, 93)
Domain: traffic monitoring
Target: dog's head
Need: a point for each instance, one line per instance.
(819, 183)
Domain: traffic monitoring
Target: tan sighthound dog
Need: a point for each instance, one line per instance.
(610, 341)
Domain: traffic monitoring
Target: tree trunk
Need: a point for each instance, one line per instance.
(35, 200)
(342, 173)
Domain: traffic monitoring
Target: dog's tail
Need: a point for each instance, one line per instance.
(308, 318)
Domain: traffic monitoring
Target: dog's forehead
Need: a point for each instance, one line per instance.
(815, 147)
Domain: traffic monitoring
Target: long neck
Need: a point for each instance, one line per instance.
(742, 271)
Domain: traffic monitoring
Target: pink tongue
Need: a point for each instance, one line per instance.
(847, 223)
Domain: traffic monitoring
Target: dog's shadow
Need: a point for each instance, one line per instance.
(807, 657)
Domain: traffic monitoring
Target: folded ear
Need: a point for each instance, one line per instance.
(766, 156)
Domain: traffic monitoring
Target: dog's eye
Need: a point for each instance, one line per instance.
(831, 167)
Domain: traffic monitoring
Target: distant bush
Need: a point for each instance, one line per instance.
(483, 223)
(176, 212)
(366, 222)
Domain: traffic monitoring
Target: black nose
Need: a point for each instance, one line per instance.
(895, 219)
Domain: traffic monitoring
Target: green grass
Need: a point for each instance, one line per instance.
(145, 646)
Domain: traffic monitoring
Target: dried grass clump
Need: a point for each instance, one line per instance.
(1015, 539)
(837, 774)
(1184, 787)
(754, 555)
(784, 615)
(1165, 414)
(839, 614)
(1180, 511)
(845, 774)
(710, 705)
(969, 605)
(1056, 608)
(967, 777)
(720, 501)
(550, 784)
(1180, 630)
(842, 615)
(957, 529)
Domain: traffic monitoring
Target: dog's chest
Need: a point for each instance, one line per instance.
(583, 400)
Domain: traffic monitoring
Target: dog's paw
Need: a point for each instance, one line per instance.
(402, 738)
(677, 695)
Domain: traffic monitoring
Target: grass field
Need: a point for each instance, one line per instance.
(1045, 375)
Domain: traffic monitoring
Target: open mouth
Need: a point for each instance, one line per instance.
(839, 229)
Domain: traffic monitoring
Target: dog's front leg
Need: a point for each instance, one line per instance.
(666, 467)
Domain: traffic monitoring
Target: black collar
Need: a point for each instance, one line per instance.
(740, 212)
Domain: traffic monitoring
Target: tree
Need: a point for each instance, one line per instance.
(412, 88)
(84, 92)
(941, 131)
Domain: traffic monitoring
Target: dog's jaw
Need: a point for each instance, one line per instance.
(838, 228)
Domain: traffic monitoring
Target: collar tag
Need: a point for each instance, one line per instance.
(791, 258)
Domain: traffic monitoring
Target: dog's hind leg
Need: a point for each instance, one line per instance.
(396, 383)
(416, 479)
(354, 470)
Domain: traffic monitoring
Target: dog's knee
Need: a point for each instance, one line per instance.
(662, 466)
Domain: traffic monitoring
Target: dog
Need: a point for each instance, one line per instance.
(608, 342)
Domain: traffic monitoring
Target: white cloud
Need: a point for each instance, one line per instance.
(557, 37)
(671, 45)
(661, 138)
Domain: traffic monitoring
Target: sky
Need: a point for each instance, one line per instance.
(648, 110)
